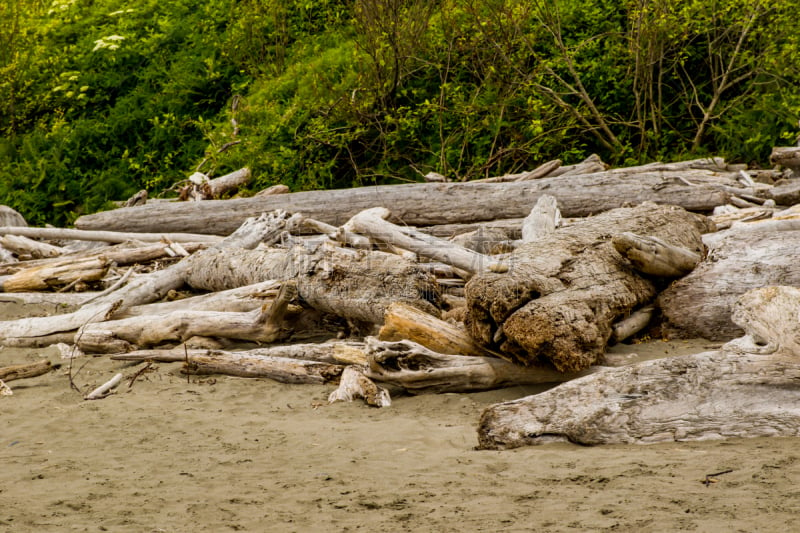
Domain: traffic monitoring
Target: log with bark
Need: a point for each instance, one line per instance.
(564, 291)
(424, 203)
(745, 257)
(749, 388)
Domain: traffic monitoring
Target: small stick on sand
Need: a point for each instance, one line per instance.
(105, 389)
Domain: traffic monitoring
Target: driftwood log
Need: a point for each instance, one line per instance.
(564, 291)
(354, 284)
(747, 256)
(750, 388)
(143, 289)
(422, 203)
(418, 370)
(283, 370)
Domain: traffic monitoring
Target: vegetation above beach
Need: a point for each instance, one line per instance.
(101, 98)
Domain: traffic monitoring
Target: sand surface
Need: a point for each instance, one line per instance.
(234, 454)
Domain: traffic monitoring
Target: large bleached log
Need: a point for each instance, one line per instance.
(419, 370)
(699, 305)
(750, 388)
(564, 291)
(143, 289)
(354, 284)
(432, 203)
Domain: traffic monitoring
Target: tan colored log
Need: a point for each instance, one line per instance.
(354, 384)
(283, 370)
(104, 236)
(146, 288)
(651, 255)
(543, 219)
(373, 223)
(273, 190)
(424, 204)
(563, 292)
(29, 248)
(731, 393)
(419, 370)
(30, 370)
(46, 277)
(126, 253)
(115, 336)
(403, 321)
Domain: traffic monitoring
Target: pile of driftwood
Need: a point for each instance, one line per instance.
(451, 287)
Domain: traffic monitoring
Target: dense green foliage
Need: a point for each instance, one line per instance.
(100, 98)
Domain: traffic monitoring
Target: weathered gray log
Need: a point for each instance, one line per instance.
(564, 291)
(419, 370)
(743, 258)
(282, 370)
(731, 393)
(651, 255)
(355, 284)
(143, 289)
(431, 203)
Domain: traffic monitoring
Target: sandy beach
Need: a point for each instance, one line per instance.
(231, 454)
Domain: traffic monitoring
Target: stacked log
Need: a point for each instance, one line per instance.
(451, 287)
